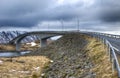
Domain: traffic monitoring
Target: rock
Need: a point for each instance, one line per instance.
(42, 74)
(87, 67)
(37, 68)
(51, 61)
(12, 70)
(70, 58)
(24, 72)
(1, 62)
(72, 77)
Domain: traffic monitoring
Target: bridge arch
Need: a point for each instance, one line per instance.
(42, 35)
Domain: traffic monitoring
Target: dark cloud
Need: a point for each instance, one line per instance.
(25, 13)
(109, 10)
(29, 13)
(111, 17)
(18, 22)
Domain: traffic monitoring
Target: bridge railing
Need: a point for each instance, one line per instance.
(111, 52)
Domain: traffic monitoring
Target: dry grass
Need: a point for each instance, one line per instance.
(32, 66)
(23, 47)
(29, 47)
(98, 54)
(23, 67)
(7, 47)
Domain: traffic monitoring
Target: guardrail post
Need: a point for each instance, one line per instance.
(109, 51)
(103, 41)
(98, 38)
(113, 65)
(119, 73)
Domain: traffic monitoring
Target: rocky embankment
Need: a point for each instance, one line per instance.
(73, 56)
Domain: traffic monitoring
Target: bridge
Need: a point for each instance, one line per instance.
(43, 36)
(111, 41)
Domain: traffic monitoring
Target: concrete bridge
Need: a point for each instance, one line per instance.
(43, 35)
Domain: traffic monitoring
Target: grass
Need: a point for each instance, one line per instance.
(5, 47)
(23, 67)
(97, 52)
(32, 66)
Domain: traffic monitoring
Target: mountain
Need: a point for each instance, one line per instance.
(6, 36)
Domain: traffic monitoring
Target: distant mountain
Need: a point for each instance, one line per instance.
(6, 36)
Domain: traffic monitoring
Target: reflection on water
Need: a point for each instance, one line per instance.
(56, 37)
(13, 54)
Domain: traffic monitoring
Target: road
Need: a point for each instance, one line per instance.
(115, 42)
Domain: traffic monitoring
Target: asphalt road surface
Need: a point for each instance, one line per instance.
(115, 41)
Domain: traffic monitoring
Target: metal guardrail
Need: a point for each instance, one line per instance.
(111, 52)
(113, 57)
(104, 34)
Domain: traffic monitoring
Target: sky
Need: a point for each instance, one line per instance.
(89, 15)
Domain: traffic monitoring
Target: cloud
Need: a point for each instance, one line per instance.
(109, 10)
(22, 13)
(92, 14)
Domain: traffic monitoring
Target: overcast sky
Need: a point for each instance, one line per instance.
(98, 15)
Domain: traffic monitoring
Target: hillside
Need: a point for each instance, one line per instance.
(71, 56)
(76, 56)
(6, 36)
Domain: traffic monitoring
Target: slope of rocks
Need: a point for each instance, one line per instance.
(69, 58)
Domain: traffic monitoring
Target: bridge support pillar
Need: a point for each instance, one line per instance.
(43, 42)
(18, 46)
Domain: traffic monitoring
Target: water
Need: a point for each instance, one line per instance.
(56, 37)
(13, 54)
